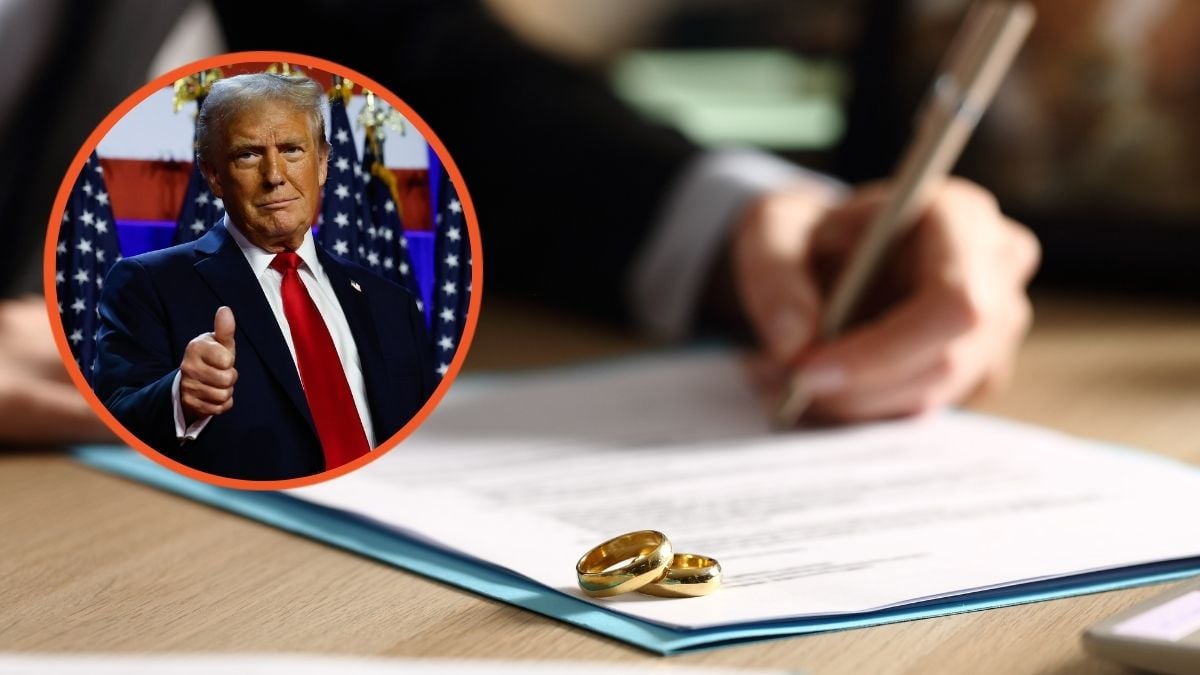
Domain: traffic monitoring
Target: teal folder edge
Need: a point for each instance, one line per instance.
(386, 544)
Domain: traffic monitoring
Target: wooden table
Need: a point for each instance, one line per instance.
(91, 562)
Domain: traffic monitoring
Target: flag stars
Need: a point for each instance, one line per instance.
(59, 278)
(445, 343)
(342, 136)
(79, 305)
(87, 218)
(87, 187)
(101, 226)
(84, 246)
(373, 259)
(442, 369)
(389, 206)
(82, 276)
(342, 191)
(404, 268)
(102, 198)
(341, 219)
(340, 247)
(451, 260)
(449, 288)
(61, 248)
(76, 336)
(390, 263)
(342, 164)
(455, 206)
(454, 234)
(198, 227)
(447, 314)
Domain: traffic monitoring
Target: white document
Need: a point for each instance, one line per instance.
(530, 472)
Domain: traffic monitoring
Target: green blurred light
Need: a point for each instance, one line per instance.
(762, 97)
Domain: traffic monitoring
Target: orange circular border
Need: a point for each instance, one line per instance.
(49, 264)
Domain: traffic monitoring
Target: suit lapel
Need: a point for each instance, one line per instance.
(355, 307)
(224, 269)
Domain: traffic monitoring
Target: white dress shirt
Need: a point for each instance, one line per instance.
(321, 290)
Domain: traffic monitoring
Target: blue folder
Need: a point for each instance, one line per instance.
(371, 539)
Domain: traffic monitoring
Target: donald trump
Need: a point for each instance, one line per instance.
(252, 352)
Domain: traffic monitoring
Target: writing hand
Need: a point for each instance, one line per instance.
(945, 318)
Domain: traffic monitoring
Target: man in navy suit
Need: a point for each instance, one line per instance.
(253, 353)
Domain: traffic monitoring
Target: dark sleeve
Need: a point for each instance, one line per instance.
(134, 368)
(566, 179)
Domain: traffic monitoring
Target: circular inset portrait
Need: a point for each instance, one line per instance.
(264, 268)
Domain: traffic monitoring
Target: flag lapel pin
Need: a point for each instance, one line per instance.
(354, 284)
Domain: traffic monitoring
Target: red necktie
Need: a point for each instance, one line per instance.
(329, 399)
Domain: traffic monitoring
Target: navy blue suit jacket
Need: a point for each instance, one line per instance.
(154, 304)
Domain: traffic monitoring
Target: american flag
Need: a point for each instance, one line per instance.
(87, 249)
(452, 265)
(387, 247)
(344, 219)
(201, 209)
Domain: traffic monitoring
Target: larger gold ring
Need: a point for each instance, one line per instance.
(623, 564)
(689, 576)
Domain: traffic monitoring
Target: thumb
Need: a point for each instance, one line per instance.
(772, 271)
(223, 327)
(787, 314)
(781, 299)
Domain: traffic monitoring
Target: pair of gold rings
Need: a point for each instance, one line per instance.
(644, 561)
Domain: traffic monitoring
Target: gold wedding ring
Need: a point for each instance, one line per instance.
(688, 576)
(623, 564)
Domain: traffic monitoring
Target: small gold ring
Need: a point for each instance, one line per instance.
(689, 576)
(623, 564)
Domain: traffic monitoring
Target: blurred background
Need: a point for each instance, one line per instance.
(1094, 140)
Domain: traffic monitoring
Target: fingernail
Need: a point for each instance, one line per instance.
(821, 378)
(789, 332)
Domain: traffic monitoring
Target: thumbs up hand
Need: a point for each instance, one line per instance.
(207, 374)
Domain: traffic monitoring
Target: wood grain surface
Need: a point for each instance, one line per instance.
(90, 562)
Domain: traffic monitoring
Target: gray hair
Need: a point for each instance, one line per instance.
(232, 95)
